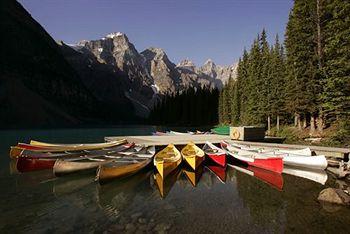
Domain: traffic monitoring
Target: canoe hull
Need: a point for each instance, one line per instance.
(105, 173)
(194, 162)
(311, 162)
(27, 164)
(63, 167)
(271, 164)
(193, 155)
(218, 159)
(165, 168)
(15, 151)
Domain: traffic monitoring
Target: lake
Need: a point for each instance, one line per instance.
(213, 200)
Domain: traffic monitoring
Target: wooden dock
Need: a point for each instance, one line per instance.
(342, 153)
(174, 139)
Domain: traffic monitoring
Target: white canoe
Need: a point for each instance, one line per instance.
(313, 162)
(319, 176)
(304, 152)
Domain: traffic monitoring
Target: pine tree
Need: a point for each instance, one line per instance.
(302, 60)
(253, 86)
(265, 84)
(336, 94)
(277, 81)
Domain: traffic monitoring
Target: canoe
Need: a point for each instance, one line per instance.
(17, 150)
(193, 155)
(318, 162)
(93, 145)
(126, 165)
(319, 176)
(26, 164)
(219, 172)
(269, 177)
(76, 154)
(222, 130)
(63, 166)
(158, 133)
(167, 160)
(269, 162)
(68, 165)
(21, 148)
(305, 152)
(193, 176)
(297, 158)
(178, 133)
(216, 154)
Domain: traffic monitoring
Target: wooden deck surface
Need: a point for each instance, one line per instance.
(213, 138)
(174, 139)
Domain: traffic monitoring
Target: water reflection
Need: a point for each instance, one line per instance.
(319, 176)
(164, 185)
(193, 176)
(269, 177)
(218, 171)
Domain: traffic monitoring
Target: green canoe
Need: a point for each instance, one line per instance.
(222, 130)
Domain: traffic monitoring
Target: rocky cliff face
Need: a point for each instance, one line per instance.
(219, 74)
(162, 70)
(152, 67)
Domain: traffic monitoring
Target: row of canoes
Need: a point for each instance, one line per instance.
(118, 159)
(112, 159)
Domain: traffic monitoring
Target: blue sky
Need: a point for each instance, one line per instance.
(197, 29)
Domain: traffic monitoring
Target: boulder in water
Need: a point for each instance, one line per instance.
(335, 196)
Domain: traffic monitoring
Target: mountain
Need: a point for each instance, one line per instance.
(150, 74)
(49, 83)
(153, 69)
(220, 74)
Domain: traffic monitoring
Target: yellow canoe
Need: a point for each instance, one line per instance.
(167, 160)
(193, 155)
(126, 165)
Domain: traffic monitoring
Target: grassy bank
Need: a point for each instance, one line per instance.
(337, 135)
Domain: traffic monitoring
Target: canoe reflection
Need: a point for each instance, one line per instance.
(115, 196)
(164, 185)
(269, 177)
(319, 176)
(71, 183)
(218, 171)
(193, 176)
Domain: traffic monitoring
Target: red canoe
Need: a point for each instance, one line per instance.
(215, 154)
(25, 164)
(272, 163)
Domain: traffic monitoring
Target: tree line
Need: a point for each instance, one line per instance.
(307, 79)
(194, 106)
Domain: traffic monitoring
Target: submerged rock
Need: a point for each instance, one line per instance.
(335, 196)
